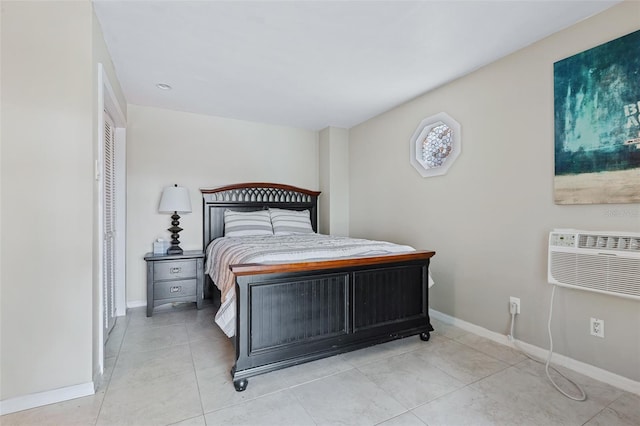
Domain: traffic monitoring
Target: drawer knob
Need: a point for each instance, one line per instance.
(175, 270)
(175, 289)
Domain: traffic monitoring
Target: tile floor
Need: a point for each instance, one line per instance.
(173, 369)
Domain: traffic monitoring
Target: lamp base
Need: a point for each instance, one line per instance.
(174, 250)
(175, 229)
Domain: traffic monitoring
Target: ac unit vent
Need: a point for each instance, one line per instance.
(603, 262)
(609, 242)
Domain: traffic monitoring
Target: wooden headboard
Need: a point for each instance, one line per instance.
(250, 197)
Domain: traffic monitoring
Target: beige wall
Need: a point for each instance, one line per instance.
(49, 274)
(334, 178)
(489, 217)
(47, 196)
(197, 151)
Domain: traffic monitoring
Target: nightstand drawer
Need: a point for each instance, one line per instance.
(171, 289)
(174, 270)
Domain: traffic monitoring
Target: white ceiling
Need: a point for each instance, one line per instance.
(313, 64)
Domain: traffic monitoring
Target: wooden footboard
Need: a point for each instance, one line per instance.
(293, 313)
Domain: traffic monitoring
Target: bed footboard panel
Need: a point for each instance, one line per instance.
(296, 311)
(387, 296)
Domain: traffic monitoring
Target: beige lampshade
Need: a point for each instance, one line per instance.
(175, 199)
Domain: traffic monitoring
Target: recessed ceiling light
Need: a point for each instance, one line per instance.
(163, 86)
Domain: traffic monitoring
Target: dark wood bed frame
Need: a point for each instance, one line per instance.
(287, 314)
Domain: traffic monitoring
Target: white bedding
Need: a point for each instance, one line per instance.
(226, 251)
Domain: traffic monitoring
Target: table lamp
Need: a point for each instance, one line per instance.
(175, 199)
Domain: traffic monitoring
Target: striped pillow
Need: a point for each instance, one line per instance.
(290, 221)
(238, 224)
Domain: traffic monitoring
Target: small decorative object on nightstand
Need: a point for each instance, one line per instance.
(174, 278)
(175, 199)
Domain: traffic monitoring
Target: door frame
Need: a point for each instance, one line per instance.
(107, 101)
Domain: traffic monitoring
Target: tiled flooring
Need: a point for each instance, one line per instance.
(173, 368)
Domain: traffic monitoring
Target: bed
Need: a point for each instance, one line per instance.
(287, 313)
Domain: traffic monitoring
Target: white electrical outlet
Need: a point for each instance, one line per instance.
(597, 327)
(515, 300)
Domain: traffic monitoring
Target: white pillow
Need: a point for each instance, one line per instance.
(238, 224)
(287, 222)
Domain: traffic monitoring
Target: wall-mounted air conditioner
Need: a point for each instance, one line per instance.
(604, 262)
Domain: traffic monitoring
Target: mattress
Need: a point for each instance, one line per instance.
(226, 251)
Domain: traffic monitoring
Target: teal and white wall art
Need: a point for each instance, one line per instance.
(597, 124)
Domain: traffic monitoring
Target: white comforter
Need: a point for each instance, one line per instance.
(226, 251)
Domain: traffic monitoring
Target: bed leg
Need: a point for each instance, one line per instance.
(240, 385)
(425, 336)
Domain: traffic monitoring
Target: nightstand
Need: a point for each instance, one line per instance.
(174, 278)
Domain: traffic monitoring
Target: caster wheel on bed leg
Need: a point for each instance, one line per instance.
(425, 336)
(240, 385)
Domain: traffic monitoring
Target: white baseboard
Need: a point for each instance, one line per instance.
(39, 399)
(136, 303)
(540, 353)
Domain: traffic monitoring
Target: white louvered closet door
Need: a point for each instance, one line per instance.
(108, 265)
